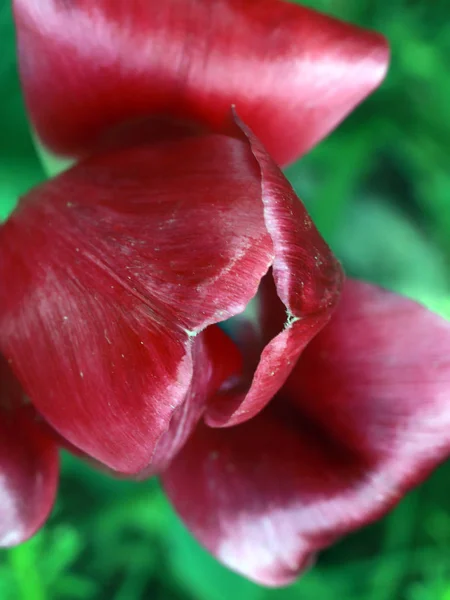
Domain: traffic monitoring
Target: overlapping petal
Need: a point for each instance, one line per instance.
(108, 273)
(302, 290)
(28, 464)
(363, 418)
(113, 271)
(88, 66)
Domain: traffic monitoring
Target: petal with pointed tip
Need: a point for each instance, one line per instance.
(300, 293)
(89, 66)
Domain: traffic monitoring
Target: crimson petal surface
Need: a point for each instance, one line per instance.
(111, 270)
(117, 265)
(363, 418)
(28, 464)
(305, 277)
(88, 66)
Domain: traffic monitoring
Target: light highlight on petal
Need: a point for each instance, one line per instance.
(28, 464)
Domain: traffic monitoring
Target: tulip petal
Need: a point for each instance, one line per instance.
(108, 274)
(28, 465)
(89, 66)
(125, 258)
(307, 279)
(363, 418)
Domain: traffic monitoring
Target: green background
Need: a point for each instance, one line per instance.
(379, 189)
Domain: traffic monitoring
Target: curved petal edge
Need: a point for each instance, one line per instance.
(363, 418)
(29, 465)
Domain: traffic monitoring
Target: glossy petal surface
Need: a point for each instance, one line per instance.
(123, 259)
(108, 273)
(28, 465)
(293, 74)
(307, 280)
(363, 418)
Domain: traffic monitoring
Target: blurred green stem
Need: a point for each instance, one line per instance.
(23, 561)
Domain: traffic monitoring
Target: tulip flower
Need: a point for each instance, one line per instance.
(167, 304)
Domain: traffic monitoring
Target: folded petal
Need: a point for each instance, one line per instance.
(28, 464)
(363, 418)
(108, 273)
(293, 303)
(125, 258)
(294, 74)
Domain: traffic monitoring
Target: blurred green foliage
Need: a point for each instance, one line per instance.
(379, 189)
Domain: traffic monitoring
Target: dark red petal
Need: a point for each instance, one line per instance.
(28, 464)
(307, 280)
(385, 394)
(292, 73)
(363, 418)
(241, 493)
(108, 273)
(215, 359)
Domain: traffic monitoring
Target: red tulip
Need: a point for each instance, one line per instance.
(116, 272)
(303, 421)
